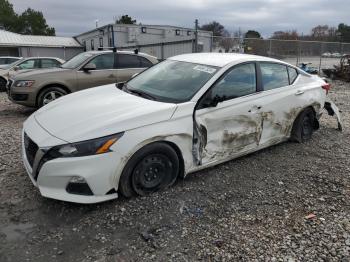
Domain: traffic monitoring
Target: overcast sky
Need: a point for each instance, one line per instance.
(72, 17)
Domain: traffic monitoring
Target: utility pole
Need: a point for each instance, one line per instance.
(196, 36)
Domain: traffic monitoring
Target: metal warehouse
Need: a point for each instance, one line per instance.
(159, 40)
(12, 44)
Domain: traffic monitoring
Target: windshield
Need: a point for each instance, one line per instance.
(172, 81)
(76, 61)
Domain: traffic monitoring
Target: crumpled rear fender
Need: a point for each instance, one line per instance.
(332, 110)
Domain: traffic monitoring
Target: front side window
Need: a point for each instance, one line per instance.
(29, 64)
(3, 61)
(128, 61)
(103, 61)
(49, 63)
(172, 81)
(239, 81)
(274, 75)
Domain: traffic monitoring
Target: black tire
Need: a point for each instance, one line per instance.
(304, 126)
(152, 168)
(44, 95)
(3, 83)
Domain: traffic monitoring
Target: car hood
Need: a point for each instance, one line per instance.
(99, 112)
(26, 74)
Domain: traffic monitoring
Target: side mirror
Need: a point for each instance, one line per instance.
(213, 102)
(120, 85)
(16, 68)
(89, 67)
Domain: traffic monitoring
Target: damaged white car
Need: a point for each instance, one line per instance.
(184, 114)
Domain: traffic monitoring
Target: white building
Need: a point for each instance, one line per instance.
(159, 40)
(12, 44)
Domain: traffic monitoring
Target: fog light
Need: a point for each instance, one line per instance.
(78, 186)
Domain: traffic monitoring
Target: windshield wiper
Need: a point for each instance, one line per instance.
(139, 93)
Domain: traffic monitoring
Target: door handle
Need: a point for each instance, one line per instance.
(111, 76)
(299, 92)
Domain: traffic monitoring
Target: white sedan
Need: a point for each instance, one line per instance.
(184, 114)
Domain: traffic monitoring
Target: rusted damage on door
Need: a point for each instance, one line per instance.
(227, 142)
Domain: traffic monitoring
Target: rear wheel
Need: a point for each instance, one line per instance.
(303, 126)
(152, 168)
(50, 94)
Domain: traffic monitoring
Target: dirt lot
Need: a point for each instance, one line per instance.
(252, 208)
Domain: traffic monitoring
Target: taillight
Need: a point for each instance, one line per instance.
(326, 87)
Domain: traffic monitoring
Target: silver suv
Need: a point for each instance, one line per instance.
(89, 69)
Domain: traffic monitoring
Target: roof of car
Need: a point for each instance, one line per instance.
(219, 59)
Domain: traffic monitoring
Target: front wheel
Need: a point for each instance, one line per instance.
(152, 168)
(50, 94)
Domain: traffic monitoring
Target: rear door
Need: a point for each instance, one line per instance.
(129, 65)
(282, 100)
(233, 126)
(104, 73)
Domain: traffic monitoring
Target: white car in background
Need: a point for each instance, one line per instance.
(184, 114)
(7, 60)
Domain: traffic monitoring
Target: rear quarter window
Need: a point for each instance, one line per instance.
(293, 74)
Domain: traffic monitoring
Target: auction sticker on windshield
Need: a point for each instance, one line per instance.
(205, 69)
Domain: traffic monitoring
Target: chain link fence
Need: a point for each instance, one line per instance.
(319, 55)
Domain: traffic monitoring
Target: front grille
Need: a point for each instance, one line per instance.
(8, 86)
(31, 148)
(9, 83)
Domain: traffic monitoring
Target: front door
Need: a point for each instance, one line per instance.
(233, 126)
(104, 74)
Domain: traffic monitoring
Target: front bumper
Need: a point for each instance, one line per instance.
(53, 177)
(20, 95)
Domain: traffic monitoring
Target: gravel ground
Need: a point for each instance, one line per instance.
(254, 208)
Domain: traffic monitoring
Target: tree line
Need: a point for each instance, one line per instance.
(30, 22)
(318, 33)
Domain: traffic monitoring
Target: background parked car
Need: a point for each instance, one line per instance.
(26, 64)
(89, 69)
(7, 60)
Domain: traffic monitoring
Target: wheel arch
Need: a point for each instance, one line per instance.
(42, 89)
(144, 144)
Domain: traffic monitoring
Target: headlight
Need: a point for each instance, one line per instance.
(24, 83)
(85, 148)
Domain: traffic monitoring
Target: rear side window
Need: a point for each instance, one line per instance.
(49, 63)
(293, 74)
(240, 81)
(3, 61)
(128, 61)
(145, 62)
(274, 75)
(103, 61)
